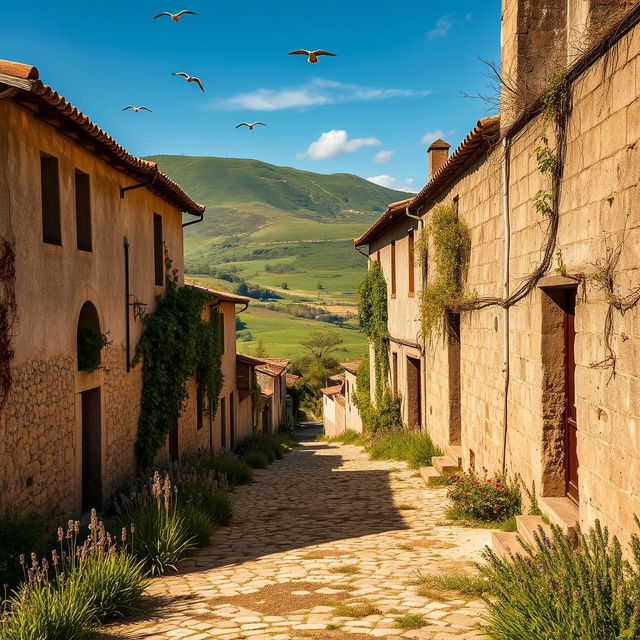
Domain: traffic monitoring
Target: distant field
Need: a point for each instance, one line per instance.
(281, 229)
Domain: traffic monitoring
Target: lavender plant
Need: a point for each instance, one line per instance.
(577, 586)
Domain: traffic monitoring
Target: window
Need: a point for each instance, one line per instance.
(199, 407)
(411, 262)
(50, 189)
(83, 211)
(158, 249)
(393, 268)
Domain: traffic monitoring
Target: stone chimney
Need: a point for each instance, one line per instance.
(438, 155)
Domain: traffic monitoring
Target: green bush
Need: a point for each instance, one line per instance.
(112, 583)
(43, 610)
(199, 524)
(161, 534)
(256, 459)
(219, 507)
(486, 498)
(416, 448)
(346, 437)
(568, 587)
(235, 471)
(17, 534)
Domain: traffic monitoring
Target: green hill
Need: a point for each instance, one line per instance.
(281, 228)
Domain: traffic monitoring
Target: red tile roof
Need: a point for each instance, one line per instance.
(291, 380)
(331, 391)
(54, 108)
(220, 295)
(273, 366)
(248, 359)
(477, 141)
(352, 367)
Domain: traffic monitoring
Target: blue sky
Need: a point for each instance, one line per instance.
(395, 84)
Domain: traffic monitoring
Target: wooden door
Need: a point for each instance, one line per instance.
(571, 424)
(91, 450)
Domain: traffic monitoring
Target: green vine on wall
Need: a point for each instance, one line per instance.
(7, 315)
(257, 401)
(90, 345)
(177, 345)
(373, 316)
(451, 244)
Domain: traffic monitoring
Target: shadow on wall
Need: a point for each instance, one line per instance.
(306, 501)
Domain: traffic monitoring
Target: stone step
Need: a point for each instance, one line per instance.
(444, 465)
(528, 525)
(505, 544)
(429, 475)
(455, 453)
(561, 512)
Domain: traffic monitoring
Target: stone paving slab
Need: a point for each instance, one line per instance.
(316, 535)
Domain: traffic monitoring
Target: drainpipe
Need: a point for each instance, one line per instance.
(199, 219)
(505, 294)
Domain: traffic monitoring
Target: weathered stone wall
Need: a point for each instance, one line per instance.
(38, 444)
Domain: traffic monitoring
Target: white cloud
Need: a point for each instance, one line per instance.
(336, 143)
(442, 28)
(431, 136)
(383, 156)
(317, 92)
(392, 182)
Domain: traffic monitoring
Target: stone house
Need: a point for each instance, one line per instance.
(83, 229)
(339, 411)
(272, 377)
(534, 368)
(233, 420)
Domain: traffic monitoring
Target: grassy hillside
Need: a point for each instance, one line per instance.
(281, 228)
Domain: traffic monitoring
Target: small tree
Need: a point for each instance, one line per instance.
(321, 343)
(259, 350)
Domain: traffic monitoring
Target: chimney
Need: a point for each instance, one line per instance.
(438, 155)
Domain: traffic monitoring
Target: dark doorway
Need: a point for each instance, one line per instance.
(453, 355)
(571, 425)
(232, 420)
(223, 423)
(174, 443)
(266, 419)
(91, 450)
(414, 393)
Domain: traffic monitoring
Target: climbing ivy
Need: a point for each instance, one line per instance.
(257, 401)
(451, 244)
(373, 317)
(177, 344)
(90, 345)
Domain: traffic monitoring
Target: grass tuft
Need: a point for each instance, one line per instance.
(345, 568)
(433, 586)
(416, 448)
(356, 610)
(347, 437)
(411, 621)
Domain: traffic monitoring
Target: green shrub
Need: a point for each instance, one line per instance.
(272, 445)
(45, 610)
(19, 533)
(256, 459)
(161, 533)
(219, 507)
(568, 587)
(112, 583)
(199, 524)
(416, 448)
(235, 471)
(486, 498)
(346, 437)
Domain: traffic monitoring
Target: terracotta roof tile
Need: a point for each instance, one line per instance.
(479, 139)
(52, 105)
(291, 380)
(220, 295)
(331, 391)
(352, 367)
(273, 366)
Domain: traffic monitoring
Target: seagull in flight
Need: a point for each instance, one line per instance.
(250, 126)
(136, 109)
(189, 78)
(175, 16)
(311, 55)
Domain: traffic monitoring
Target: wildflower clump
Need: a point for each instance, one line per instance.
(484, 497)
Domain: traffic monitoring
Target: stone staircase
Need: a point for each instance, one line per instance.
(508, 544)
(442, 466)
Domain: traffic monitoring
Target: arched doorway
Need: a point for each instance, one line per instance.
(90, 343)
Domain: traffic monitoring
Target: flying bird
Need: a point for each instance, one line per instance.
(311, 55)
(136, 109)
(175, 16)
(189, 78)
(250, 126)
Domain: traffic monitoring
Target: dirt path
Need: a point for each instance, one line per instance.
(318, 537)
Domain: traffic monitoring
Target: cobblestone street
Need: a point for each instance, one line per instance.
(315, 537)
